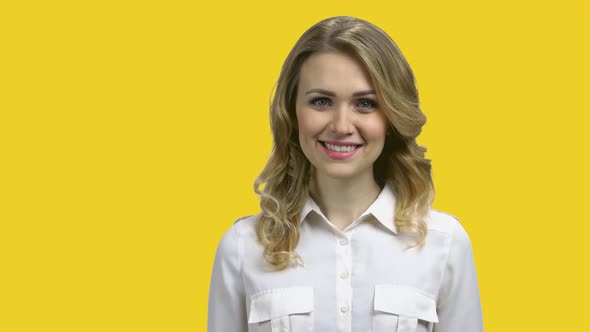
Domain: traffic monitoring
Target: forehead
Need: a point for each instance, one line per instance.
(333, 71)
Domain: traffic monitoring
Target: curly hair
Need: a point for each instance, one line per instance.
(286, 176)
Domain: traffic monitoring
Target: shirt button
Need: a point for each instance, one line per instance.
(344, 242)
(344, 275)
(344, 308)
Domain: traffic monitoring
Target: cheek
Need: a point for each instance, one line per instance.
(308, 126)
(376, 130)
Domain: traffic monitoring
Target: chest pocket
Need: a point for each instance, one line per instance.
(398, 308)
(282, 310)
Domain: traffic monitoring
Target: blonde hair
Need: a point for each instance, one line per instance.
(286, 176)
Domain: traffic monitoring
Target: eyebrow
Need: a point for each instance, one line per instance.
(330, 93)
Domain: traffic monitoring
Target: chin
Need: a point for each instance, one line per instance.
(339, 172)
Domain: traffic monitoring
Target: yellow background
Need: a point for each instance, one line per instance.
(131, 134)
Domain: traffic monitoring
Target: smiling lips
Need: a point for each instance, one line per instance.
(340, 150)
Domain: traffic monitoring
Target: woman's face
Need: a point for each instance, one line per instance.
(341, 129)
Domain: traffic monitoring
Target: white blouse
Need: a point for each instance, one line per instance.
(360, 279)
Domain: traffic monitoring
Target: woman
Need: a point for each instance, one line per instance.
(346, 239)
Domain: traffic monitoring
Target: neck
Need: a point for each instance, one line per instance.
(342, 201)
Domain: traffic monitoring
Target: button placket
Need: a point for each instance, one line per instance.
(343, 283)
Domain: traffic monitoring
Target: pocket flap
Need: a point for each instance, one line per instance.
(405, 301)
(278, 302)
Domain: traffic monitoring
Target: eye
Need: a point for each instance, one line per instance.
(367, 104)
(320, 102)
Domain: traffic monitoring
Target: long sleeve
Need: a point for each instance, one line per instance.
(227, 307)
(459, 306)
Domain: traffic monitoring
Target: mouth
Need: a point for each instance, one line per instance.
(340, 148)
(340, 152)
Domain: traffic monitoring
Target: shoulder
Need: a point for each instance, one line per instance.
(242, 229)
(229, 244)
(448, 224)
(245, 225)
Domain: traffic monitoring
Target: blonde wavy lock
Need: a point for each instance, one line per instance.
(286, 176)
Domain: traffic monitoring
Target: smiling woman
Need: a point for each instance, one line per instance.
(346, 239)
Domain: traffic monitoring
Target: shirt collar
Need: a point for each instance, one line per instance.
(382, 209)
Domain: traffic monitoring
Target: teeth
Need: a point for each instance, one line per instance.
(341, 148)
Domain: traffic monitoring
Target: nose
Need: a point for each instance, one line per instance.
(342, 121)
